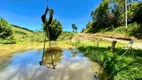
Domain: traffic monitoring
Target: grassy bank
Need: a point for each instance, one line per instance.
(8, 49)
(117, 66)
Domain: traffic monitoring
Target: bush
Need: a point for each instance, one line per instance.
(5, 29)
(132, 30)
(138, 32)
(65, 35)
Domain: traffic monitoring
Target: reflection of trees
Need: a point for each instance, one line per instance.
(73, 69)
(73, 52)
(4, 62)
(52, 57)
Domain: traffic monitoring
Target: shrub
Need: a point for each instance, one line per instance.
(5, 29)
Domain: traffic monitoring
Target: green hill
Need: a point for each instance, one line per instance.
(21, 34)
(26, 35)
(10, 33)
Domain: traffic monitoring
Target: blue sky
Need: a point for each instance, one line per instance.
(27, 13)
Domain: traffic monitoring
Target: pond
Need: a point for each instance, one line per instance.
(70, 64)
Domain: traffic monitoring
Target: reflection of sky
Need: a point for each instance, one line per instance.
(28, 57)
(67, 54)
(79, 55)
(25, 66)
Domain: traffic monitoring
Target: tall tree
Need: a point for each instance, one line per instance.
(74, 27)
(100, 15)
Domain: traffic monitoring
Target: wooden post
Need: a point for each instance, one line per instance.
(111, 48)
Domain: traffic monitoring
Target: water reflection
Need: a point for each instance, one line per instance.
(51, 57)
(69, 66)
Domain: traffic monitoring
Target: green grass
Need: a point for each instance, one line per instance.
(118, 67)
(21, 35)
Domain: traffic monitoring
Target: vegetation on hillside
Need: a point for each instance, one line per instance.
(65, 35)
(133, 30)
(110, 14)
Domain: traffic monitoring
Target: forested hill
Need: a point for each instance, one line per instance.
(110, 17)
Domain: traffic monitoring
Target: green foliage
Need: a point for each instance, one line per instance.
(110, 14)
(89, 28)
(132, 30)
(89, 24)
(5, 29)
(138, 14)
(65, 35)
(37, 37)
(83, 30)
(55, 29)
(99, 16)
(8, 40)
(132, 9)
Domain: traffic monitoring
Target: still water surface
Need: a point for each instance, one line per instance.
(72, 65)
